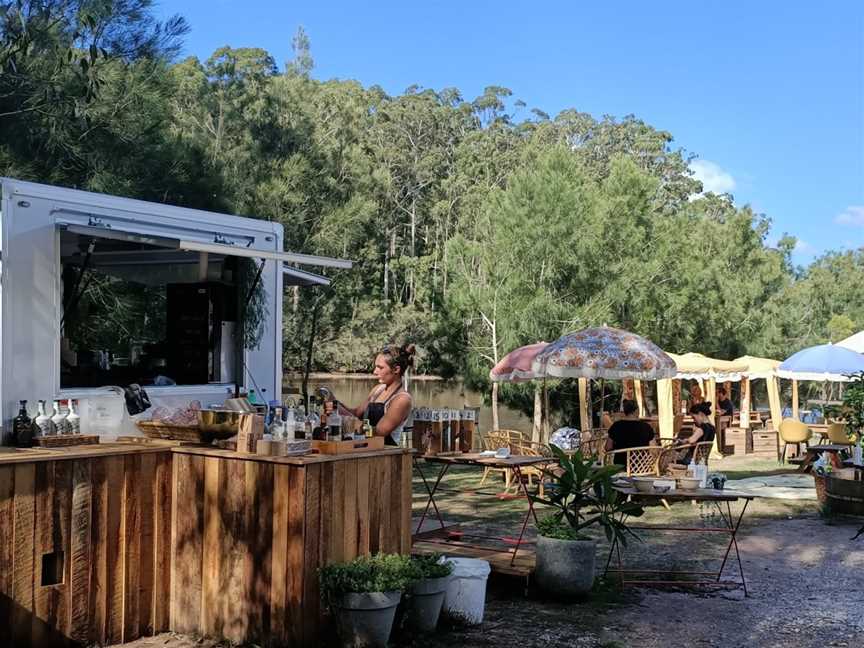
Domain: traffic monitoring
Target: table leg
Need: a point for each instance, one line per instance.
(528, 515)
(431, 491)
(733, 525)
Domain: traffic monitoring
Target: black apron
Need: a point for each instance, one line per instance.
(375, 412)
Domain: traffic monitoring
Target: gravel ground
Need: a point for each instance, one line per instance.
(806, 590)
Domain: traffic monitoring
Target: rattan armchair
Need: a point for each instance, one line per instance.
(495, 439)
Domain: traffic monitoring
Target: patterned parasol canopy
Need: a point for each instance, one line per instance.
(516, 365)
(604, 352)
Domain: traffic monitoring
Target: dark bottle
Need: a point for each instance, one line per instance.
(22, 428)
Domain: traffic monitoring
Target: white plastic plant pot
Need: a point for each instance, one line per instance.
(465, 600)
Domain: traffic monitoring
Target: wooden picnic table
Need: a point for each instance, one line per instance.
(813, 452)
(731, 525)
(515, 463)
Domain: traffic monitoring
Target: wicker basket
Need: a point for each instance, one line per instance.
(160, 430)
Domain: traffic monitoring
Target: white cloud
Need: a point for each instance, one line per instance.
(713, 178)
(854, 215)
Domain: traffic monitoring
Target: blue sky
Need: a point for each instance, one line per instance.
(769, 95)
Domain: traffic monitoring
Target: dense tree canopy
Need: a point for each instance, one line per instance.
(476, 225)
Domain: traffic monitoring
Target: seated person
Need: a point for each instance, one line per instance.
(628, 432)
(703, 430)
(723, 403)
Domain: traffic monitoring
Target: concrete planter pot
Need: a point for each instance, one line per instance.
(425, 603)
(565, 567)
(365, 620)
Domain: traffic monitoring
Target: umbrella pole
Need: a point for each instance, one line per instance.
(538, 415)
(602, 399)
(545, 413)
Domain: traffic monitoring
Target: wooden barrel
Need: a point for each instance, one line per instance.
(844, 495)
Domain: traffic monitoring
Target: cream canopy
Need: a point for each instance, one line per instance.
(695, 366)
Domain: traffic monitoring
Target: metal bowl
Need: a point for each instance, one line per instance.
(219, 424)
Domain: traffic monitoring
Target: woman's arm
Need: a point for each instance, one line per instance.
(355, 411)
(698, 433)
(396, 414)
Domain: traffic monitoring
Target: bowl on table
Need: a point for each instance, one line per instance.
(687, 483)
(644, 484)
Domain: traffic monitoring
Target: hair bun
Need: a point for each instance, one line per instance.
(407, 352)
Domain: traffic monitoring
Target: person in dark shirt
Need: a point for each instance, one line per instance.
(723, 403)
(703, 429)
(628, 432)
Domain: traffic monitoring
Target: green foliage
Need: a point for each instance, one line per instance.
(558, 529)
(853, 406)
(582, 496)
(379, 573)
(430, 566)
(473, 229)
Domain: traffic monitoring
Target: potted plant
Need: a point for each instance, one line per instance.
(582, 496)
(853, 412)
(429, 577)
(363, 595)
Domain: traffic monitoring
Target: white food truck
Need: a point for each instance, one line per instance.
(99, 292)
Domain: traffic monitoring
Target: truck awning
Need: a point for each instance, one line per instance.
(297, 277)
(161, 236)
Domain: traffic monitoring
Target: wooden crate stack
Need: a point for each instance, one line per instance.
(765, 442)
(438, 431)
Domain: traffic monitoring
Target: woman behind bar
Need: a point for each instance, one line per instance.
(388, 405)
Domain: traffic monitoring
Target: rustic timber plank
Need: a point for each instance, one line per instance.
(115, 543)
(131, 533)
(163, 500)
(304, 460)
(145, 487)
(211, 621)
(363, 469)
(312, 553)
(187, 531)
(384, 506)
(281, 538)
(257, 561)
(325, 526)
(44, 606)
(7, 536)
(350, 524)
(394, 495)
(98, 595)
(294, 554)
(234, 544)
(337, 521)
(374, 507)
(62, 522)
(23, 557)
(80, 551)
(77, 452)
(405, 490)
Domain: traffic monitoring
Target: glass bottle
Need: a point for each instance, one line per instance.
(73, 421)
(367, 429)
(334, 424)
(42, 422)
(22, 428)
(58, 420)
(290, 424)
(275, 428)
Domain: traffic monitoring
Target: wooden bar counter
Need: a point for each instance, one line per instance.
(249, 534)
(104, 544)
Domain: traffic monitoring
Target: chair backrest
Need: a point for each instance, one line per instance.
(593, 447)
(494, 439)
(837, 433)
(792, 431)
(642, 461)
(702, 452)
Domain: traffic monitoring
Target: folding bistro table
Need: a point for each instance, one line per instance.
(515, 463)
(731, 524)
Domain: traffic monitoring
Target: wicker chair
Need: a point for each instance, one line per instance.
(640, 461)
(532, 449)
(495, 439)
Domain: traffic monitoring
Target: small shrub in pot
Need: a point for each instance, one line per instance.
(581, 495)
(363, 595)
(429, 576)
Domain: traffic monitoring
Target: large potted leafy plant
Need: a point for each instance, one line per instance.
(581, 496)
(429, 577)
(363, 595)
(853, 412)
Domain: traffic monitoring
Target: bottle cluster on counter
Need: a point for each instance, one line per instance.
(57, 421)
(439, 431)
